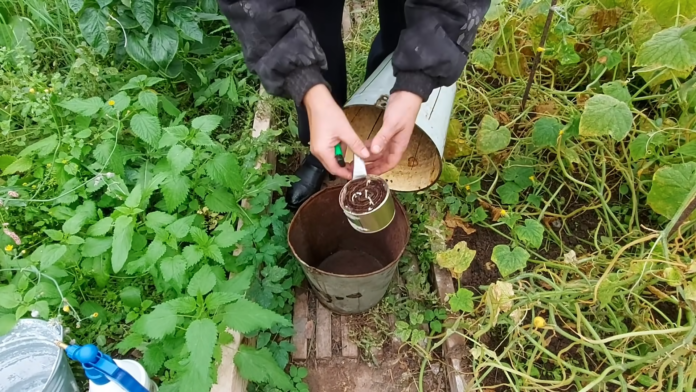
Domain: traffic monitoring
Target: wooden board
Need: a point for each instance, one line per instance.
(323, 335)
(299, 321)
(348, 348)
(455, 346)
(228, 377)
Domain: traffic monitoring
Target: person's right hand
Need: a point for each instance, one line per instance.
(328, 126)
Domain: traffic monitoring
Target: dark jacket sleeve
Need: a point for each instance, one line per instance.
(279, 45)
(435, 46)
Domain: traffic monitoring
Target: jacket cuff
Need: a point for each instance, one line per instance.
(301, 80)
(415, 82)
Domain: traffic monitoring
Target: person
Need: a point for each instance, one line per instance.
(296, 49)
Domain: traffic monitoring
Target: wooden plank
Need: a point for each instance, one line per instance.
(323, 328)
(300, 319)
(454, 348)
(348, 348)
(229, 379)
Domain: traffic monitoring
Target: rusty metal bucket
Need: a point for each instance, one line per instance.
(348, 271)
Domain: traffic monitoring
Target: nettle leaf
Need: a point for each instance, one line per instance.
(51, 254)
(206, 123)
(202, 282)
(159, 323)
(531, 234)
(224, 169)
(490, 138)
(665, 11)
(185, 19)
(131, 341)
(144, 12)
(21, 165)
(259, 366)
(179, 157)
(180, 228)
(9, 297)
(92, 24)
(605, 115)
(163, 45)
(122, 241)
(546, 132)
(192, 254)
(202, 139)
(217, 299)
(201, 339)
(229, 237)
(673, 48)
(157, 219)
(509, 261)
(173, 268)
(83, 213)
(246, 316)
(154, 358)
(462, 301)
(41, 148)
(146, 127)
(175, 190)
(100, 228)
(83, 107)
(456, 260)
(221, 201)
(214, 253)
(670, 187)
(94, 247)
(148, 100)
(239, 283)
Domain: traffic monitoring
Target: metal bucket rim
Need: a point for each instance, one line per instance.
(386, 267)
(58, 328)
(416, 127)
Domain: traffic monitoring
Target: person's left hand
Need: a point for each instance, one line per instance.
(391, 141)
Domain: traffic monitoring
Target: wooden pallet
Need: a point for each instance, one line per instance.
(319, 333)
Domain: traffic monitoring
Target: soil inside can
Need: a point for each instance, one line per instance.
(350, 262)
(364, 195)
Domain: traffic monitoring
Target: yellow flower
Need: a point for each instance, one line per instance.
(541, 50)
(503, 213)
(66, 308)
(467, 187)
(9, 248)
(95, 315)
(48, 165)
(561, 132)
(539, 322)
(32, 91)
(112, 102)
(532, 178)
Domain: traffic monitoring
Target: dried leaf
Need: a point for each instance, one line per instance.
(499, 298)
(456, 260)
(454, 221)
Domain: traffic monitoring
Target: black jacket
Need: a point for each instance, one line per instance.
(280, 47)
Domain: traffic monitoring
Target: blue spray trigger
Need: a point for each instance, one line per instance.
(101, 369)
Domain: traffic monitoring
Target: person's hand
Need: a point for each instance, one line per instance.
(391, 141)
(328, 126)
